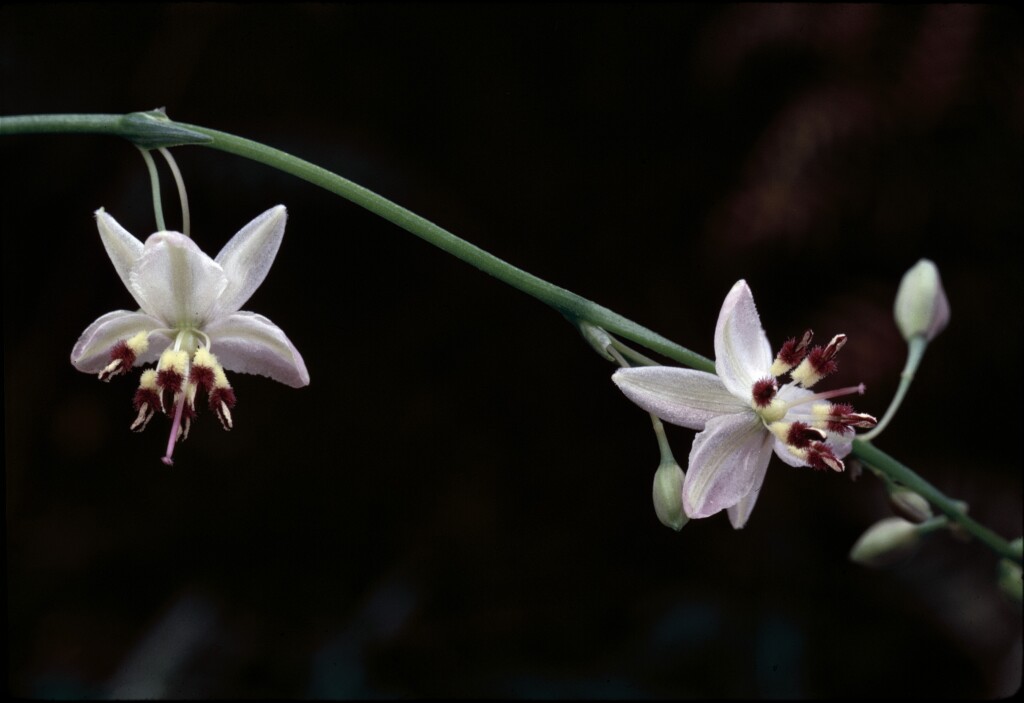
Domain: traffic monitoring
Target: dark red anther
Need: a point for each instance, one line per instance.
(764, 392)
(821, 457)
(793, 352)
(801, 435)
(221, 402)
(122, 358)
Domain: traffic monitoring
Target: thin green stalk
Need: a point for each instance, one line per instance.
(186, 220)
(573, 306)
(154, 181)
(915, 352)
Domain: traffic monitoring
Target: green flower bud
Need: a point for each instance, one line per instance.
(668, 495)
(1010, 580)
(907, 504)
(921, 307)
(1010, 575)
(886, 542)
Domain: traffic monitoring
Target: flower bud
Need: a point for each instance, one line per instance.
(1010, 580)
(907, 504)
(921, 307)
(886, 542)
(597, 338)
(668, 495)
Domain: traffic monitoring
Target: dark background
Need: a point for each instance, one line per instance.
(459, 503)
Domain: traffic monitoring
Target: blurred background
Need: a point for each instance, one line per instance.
(460, 502)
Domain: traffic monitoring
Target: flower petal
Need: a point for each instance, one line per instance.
(92, 351)
(250, 343)
(683, 397)
(783, 452)
(247, 257)
(841, 445)
(726, 461)
(123, 248)
(740, 513)
(175, 281)
(742, 352)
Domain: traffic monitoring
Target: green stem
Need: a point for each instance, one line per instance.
(573, 306)
(915, 352)
(870, 454)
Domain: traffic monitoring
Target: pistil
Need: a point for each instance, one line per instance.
(175, 424)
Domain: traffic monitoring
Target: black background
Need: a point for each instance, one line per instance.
(459, 503)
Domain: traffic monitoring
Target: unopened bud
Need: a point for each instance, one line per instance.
(1010, 575)
(668, 495)
(907, 504)
(921, 307)
(597, 338)
(886, 542)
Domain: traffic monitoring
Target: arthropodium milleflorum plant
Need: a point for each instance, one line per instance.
(745, 410)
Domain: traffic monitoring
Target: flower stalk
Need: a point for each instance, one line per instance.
(154, 130)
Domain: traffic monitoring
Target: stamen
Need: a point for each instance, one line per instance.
(820, 456)
(171, 372)
(207, 374)
(123, 355)
(146, 401)
(764, 392)
(221, 402)
(819, 363)
(801, 435)
(825, 395)
(791, 354)
(841, 418)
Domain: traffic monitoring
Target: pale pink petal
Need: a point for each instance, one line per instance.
(740, 513)
(783, 452)
(250, 343)
(841, 445)
(681, 396)
(247, 258)
(122, 247)
(742, 352)
(176, 282)
(726, 461)
(92, 351)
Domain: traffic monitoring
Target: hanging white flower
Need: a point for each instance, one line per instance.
(189, 321)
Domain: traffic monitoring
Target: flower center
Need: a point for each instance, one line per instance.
(185, 368)
(804, 423)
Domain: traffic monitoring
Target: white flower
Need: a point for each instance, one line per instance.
(189, 310)
(744, 413)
